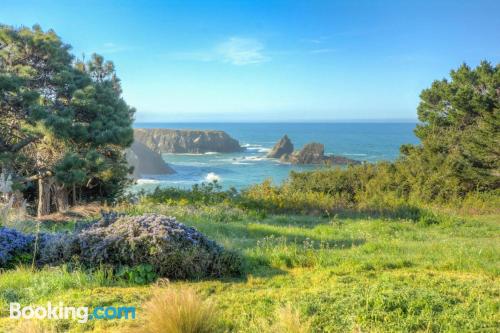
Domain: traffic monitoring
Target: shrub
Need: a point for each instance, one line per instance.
(285, 199)
(57, 248)
(141, 274)
(13, 244)
(204, 193)
(173, 249)
(179, 311)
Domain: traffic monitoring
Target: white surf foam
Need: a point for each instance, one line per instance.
(254, 158)
(251, 145)
(212, 176)
(241, 163)
(147, 181)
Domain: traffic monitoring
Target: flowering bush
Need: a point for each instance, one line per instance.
(13, 243)
(58, 248)
(172, 248)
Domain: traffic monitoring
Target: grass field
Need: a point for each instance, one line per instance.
(351, 274)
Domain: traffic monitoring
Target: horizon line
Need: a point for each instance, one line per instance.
(329, 121)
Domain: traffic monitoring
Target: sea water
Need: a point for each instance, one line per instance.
(369, 142)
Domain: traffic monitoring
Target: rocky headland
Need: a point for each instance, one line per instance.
(163, 140)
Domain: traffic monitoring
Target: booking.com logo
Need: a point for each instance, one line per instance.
(82, 313)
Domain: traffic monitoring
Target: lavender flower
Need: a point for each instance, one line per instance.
(13, 242)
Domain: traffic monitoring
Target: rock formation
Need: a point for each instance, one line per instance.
(186, 141)
(311, 153)
(146, 162)
(282, 147)
(314, 153)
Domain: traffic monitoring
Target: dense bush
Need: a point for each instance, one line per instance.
(173, 249)
(285, 199)
(204, 193)
(13, 244)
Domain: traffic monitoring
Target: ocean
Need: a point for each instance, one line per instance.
(369, 142)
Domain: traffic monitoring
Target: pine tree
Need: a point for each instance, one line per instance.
(63, 123)
(459, 132)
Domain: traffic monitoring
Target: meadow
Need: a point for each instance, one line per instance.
(302, 273)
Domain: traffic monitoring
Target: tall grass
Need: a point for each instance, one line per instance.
(179, 311)
(32, 326)
(290, 321)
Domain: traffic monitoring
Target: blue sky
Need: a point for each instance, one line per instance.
(273, 60)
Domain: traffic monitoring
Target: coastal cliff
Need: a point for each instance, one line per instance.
(186, 141)
(146, 162)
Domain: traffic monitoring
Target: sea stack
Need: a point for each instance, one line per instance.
(146, 162)
(163, 140)
(314, 153)
(283, 147)
(311, 153)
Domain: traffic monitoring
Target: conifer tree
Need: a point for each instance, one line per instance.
(460, 135)
(63, 123)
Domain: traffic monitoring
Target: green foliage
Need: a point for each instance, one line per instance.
(61, 118)
(460, 134)
(199, 194)
(140, 274)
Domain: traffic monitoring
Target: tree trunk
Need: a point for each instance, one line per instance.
(61, 198)
(44, 196)
(74, 195)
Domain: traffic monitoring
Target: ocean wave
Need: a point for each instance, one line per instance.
(254, 158)
(211, 153)
(147, 181)
(184, 154)
(191, 164)
(241, 163)
(243, 159)
(212, 176)
(251, 145)
(256, 147)
(185, 181)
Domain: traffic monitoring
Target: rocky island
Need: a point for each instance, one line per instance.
(311, 153)
(283, 147)
(146, 162)
(163, 140)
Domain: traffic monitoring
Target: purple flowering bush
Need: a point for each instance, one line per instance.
(173, 249)
(13, 244)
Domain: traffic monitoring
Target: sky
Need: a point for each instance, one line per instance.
(271, 60)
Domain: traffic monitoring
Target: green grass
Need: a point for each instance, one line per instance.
(343, 274)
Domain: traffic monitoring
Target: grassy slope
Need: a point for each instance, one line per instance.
(343, 274)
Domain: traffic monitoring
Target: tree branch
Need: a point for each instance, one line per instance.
(41, 175)
(7, 148)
